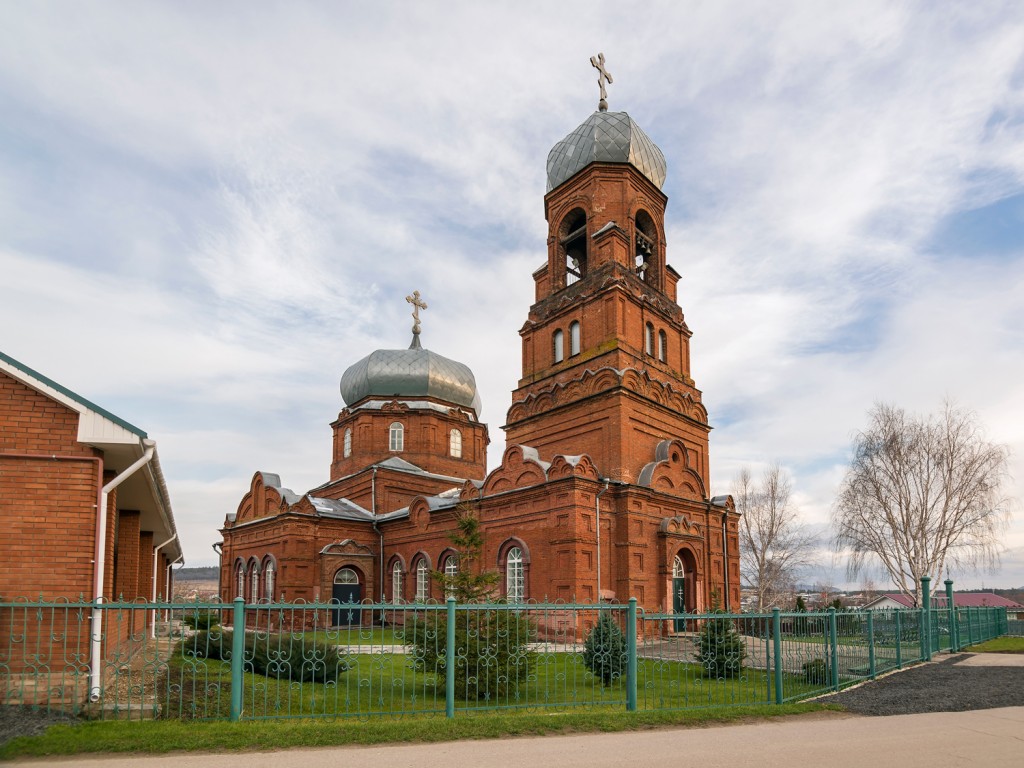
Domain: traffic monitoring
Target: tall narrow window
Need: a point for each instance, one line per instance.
(255, 584)
(268, 580)
(240, 581)
(396, 441)
(396, 582)
(573, 239)
(662, 346)
(348, 443)
(574, 338)
(455, 444)
(451, 570)
(515, 584)
(649, 339)
(422, 581)
(558, 342)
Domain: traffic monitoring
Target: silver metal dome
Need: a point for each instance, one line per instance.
(413, 372)
(606, 137)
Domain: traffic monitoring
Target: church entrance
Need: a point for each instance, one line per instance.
(348, 592)
(678, 592)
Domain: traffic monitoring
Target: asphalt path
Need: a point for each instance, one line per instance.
(980, 738)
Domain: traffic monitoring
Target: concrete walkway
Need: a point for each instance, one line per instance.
(833, 740)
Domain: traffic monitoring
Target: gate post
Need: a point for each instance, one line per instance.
(449, 662)
(899, 640)
(871, 644)
(237, 658)
(954, 640)
(926, 619)
(777, 652)
(631, 656)
(833, 632)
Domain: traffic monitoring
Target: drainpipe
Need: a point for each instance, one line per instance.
(96, 650)
(597, 520)
(156, 554)
(167, 577)
(725, 557)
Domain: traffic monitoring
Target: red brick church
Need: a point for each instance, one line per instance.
(602, 492)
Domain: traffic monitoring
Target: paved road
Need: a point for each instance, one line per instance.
(980, 738)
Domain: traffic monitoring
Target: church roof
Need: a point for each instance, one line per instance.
(410, 372)
(606, 137)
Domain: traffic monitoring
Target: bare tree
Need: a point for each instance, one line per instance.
(921, 496)
(774, 544)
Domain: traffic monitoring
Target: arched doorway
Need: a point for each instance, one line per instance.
(684, 586)
(678, 592)
(347, 591)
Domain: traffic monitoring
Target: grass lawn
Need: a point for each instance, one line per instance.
(157, 737)
(999, 645)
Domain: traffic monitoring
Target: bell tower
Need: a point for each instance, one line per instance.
(606, 350)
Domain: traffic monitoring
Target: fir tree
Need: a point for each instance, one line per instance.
(604, 651)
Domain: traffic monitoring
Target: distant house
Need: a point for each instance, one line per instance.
(84, 505)
(891, 600)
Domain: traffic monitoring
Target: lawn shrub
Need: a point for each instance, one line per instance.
(604, 651)
(720, 648)
(271, 655)
(815, 672)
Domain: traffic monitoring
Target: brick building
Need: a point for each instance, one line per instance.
(78, 487)
(602, 491)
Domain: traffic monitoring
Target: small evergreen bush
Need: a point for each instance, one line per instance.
(277, 656)
(720, 648)
(815, 671)
(200, 620)
(604, 651)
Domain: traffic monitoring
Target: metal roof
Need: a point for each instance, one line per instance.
(606, 137)
(410, 373)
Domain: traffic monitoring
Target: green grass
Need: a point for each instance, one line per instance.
(999, 645)
(170, 736)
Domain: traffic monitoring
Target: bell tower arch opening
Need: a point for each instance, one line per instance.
(572, 239)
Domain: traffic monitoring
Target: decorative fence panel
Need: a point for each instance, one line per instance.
(233, 661)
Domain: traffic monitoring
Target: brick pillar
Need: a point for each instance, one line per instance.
(126, 575)
(146, 565)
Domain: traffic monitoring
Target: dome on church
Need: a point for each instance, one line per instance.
(413, 372)
(606, 137)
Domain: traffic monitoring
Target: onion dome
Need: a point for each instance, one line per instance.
(606, 137)
(412, 372)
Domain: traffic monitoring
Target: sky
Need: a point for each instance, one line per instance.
(208, 211)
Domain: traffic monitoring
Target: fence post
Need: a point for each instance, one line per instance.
(899, 640)
(237, 658)
(954, 640)
(777, 652)
(833, 632)
(926, 619)
(871, 644)
(631, 656)
(449, 662)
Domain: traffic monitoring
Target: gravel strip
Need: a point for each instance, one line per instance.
(939, 686)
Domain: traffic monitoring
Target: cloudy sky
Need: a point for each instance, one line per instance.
(209, 210)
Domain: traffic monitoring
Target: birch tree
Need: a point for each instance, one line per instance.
(774, 544)
(922, 496)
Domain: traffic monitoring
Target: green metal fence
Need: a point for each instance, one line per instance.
(234, 661)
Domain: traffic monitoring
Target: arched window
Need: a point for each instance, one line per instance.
(649, 339)
(574, 338)
(455, 444)
(558, 343)
(396, 582)
(646, 234)
(572, 237)
(347, 576)
(255, 583)
(422, 580)
(451, 570)
(396, 439)
(677, 568)
(268, 580)
(240, 580)
(662, 346)
(515, 583)
(348, 443)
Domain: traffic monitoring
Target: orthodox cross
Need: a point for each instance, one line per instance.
(604, 76)
(417, 305)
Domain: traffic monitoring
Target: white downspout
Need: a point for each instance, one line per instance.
(96, 646)
(156, 554)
